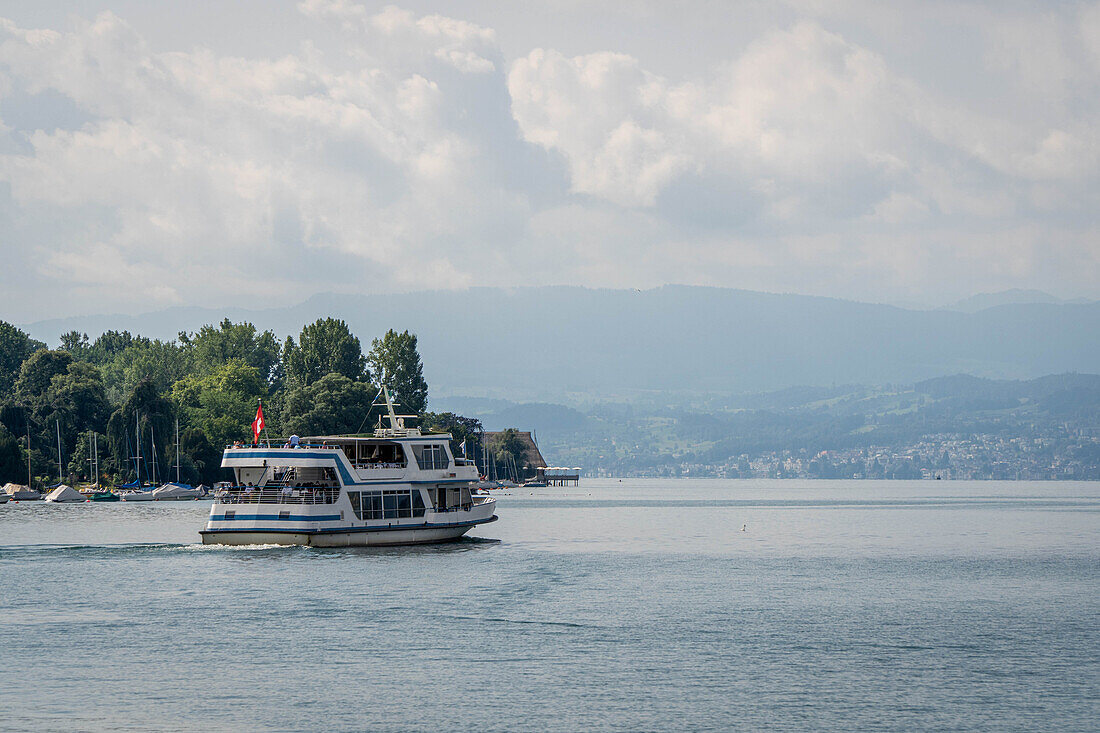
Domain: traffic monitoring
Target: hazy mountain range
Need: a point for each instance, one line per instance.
(1015, 296)
(577, 345)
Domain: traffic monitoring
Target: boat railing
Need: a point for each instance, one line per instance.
(277, 495)
(463, 507)
(281, 444)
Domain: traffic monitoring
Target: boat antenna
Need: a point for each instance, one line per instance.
(367, 416)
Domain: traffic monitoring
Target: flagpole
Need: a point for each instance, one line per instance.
(260, 412)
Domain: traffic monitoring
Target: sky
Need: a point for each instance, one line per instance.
(258, 152)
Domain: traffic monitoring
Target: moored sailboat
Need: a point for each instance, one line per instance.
(136, 490)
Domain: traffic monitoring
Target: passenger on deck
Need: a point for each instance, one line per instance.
(294, 441)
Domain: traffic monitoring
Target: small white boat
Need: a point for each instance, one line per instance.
(137, 495)
(178, 492)
(3, 498)
(65, 494)
(19, 492)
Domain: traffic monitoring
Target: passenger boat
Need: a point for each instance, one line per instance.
(395, 487)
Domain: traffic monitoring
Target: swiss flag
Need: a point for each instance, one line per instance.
(258, 423)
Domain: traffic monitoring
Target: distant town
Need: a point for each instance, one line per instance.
(942, 456)
(958, 427)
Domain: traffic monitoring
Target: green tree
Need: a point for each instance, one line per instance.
(77, 401)
(80, 458)
(204, 457)
(395, 362)
(31, 399)
(332, 405)
(222, 403)
(461, 428)
(161, 362)
(15, 348)
(212, 347)
(76, 343)
(507, 446)
(109, 345)
(324, 346)
(37, 372)
(13, 462)
(146, 411)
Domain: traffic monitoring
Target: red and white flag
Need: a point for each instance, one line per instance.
(258, 423)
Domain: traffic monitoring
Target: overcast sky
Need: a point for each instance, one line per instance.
(255, 153)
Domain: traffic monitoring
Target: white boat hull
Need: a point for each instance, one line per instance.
(360, 538)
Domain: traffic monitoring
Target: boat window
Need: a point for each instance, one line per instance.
(389, 504)
(404, 505)
(431, 456)
(376, 455)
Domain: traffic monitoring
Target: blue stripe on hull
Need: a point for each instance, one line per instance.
(277, 518)
(338, 530)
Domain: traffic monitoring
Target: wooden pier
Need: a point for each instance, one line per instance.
(558, 476)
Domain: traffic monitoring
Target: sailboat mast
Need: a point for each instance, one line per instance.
(137, 437)
(153, 452)
(60, 471)
(28, 425)
(177, 450)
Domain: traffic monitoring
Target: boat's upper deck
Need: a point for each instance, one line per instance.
(358, 458)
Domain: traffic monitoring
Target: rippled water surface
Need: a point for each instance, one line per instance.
(655, 605)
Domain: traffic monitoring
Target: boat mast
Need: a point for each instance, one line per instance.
(177, 450)
(28, 425)
(137, 437)
(95, 448)
(60, 478)
(153, 451)
(91, 456)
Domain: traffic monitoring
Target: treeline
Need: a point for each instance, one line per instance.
(121, 387)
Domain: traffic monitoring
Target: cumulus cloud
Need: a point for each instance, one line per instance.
(411, 153)
(196, 164)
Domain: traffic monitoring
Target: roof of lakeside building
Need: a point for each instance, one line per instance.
(532, 456)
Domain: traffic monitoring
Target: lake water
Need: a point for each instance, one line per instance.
(634, 605)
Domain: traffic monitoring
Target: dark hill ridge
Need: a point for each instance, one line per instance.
(570, 343)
